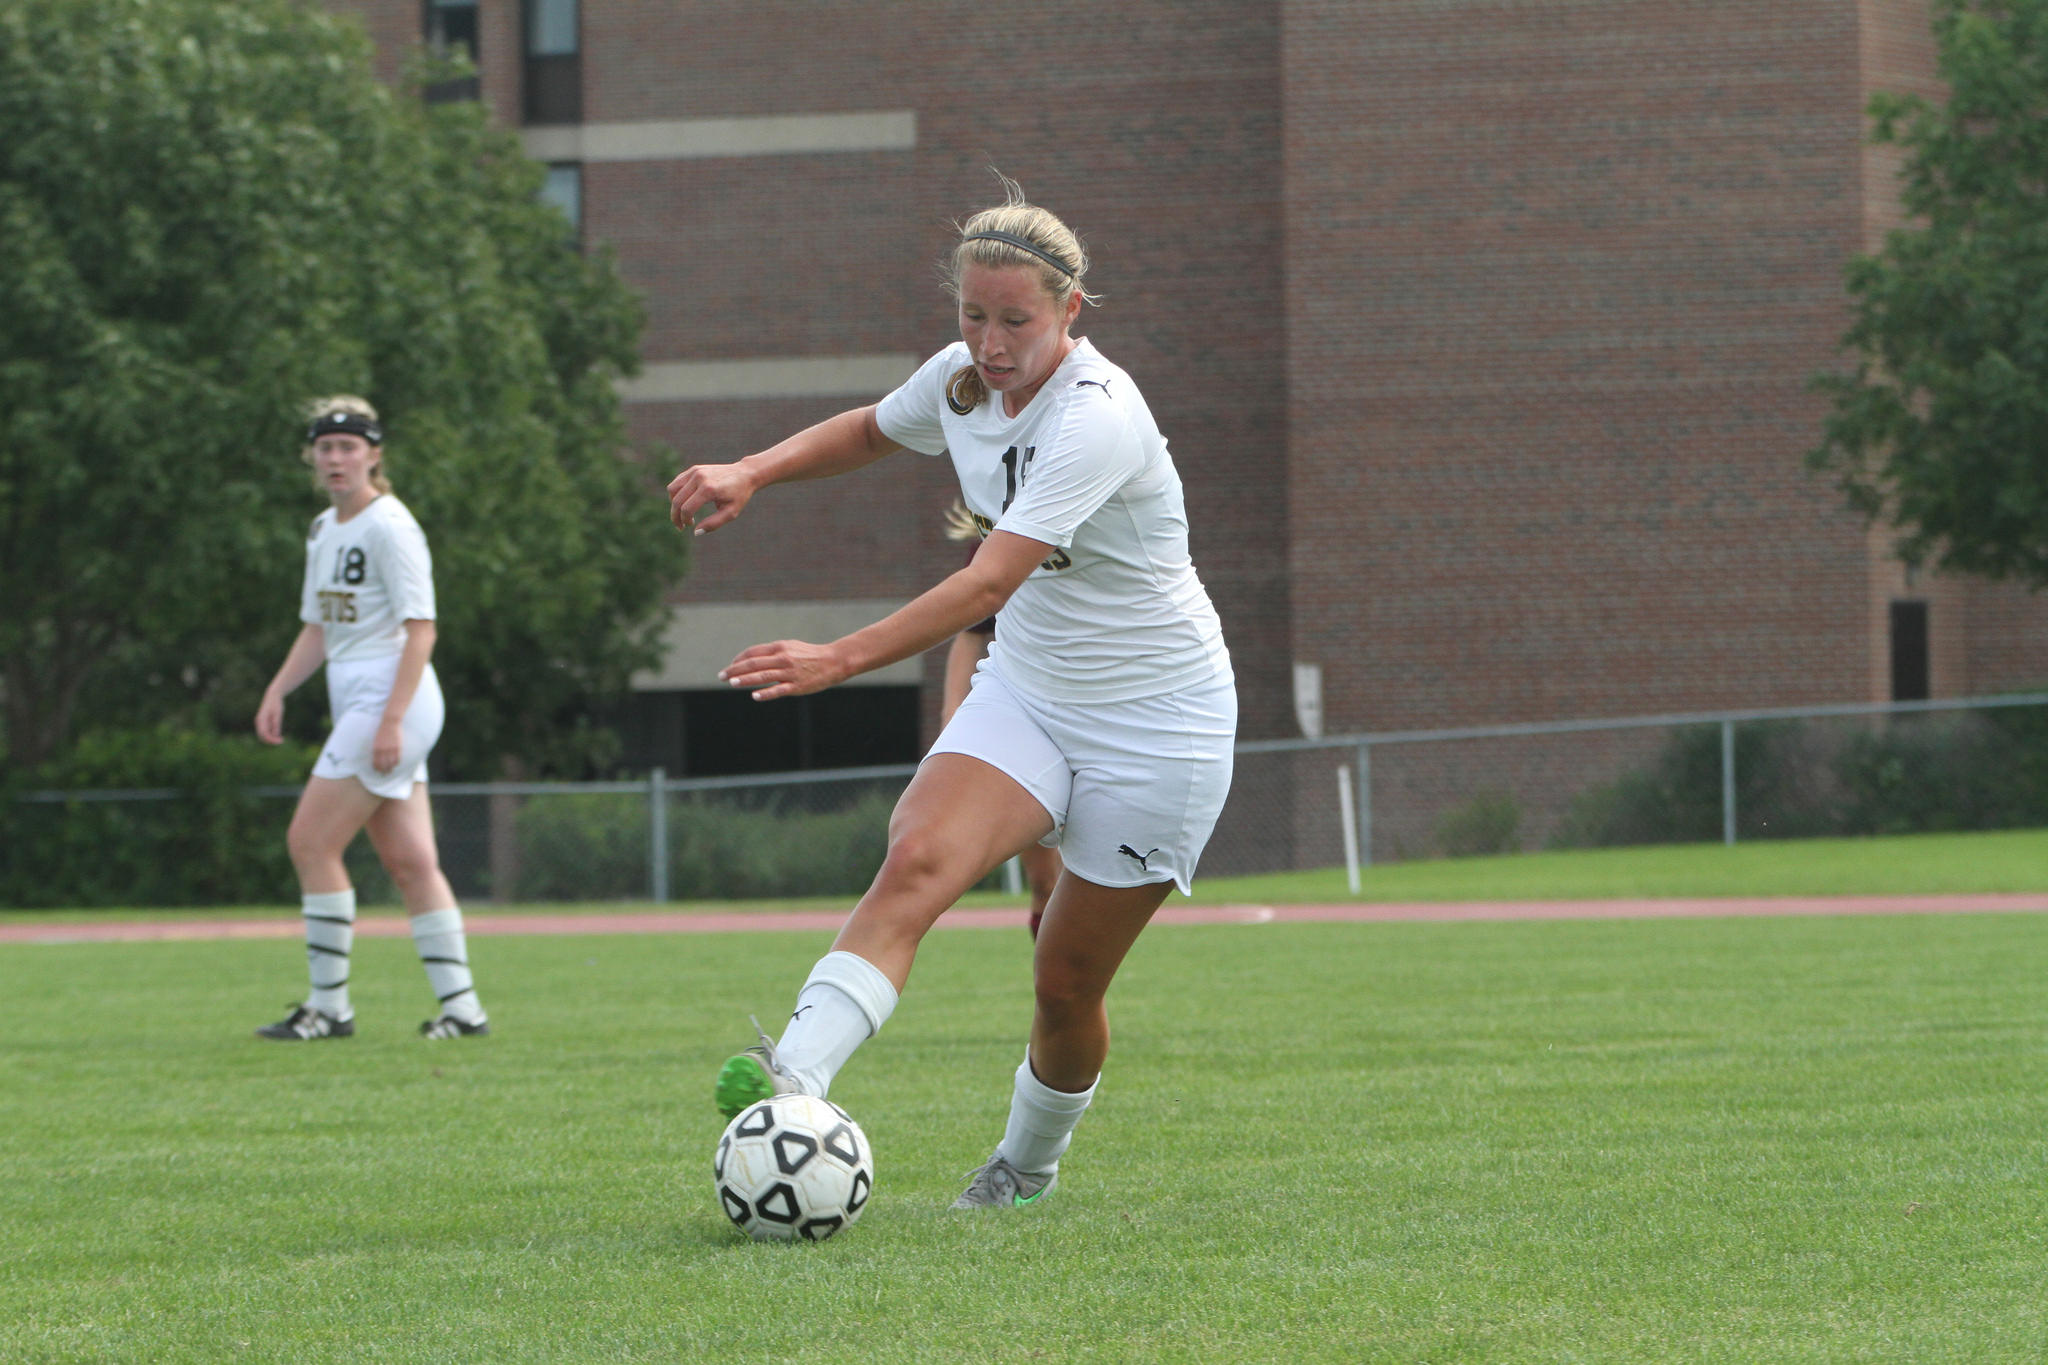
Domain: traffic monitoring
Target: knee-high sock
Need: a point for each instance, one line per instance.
(844, 1002)
(330, 935)
(1042, 1121)
(444, 952)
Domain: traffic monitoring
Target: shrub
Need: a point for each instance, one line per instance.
(217, 843)
(1486, 824)
(1796, 779)
(722, 846)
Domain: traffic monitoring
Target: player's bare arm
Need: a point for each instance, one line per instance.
(837, 445)
(301, 661)
(794, 668)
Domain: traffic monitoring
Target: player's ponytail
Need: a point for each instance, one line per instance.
(965, 391)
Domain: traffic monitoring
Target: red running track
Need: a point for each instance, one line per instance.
(712, 922)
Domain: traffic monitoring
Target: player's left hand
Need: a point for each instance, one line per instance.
(386, 747)
(785, 668)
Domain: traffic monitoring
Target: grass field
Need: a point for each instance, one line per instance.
(1800, 1139)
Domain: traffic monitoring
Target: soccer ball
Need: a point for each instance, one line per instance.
(793, 1166)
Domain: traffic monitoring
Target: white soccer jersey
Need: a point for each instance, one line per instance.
(1116, 612)
(365, 578)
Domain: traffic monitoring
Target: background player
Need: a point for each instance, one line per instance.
(1041, 864)
(368, 609)
(1105, 712)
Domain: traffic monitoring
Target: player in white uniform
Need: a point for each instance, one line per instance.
(1102, 720)
(368, 609)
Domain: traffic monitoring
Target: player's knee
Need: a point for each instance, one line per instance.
(1066, 989)
(918, 857)
(306, 845)
(410, 869)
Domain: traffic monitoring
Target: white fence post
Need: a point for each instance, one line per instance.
(1349, 822)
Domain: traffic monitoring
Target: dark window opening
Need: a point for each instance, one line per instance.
(450, 30)
(723, 734)
(553, 62)
(1910, 667)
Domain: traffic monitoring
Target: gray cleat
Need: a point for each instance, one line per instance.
(999, 1185)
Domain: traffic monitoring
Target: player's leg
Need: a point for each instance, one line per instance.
(330, 812)
(958, 819)
(993, 783)
(1042, 869)
(1150, 776)
(403, 833)
(1087, 932)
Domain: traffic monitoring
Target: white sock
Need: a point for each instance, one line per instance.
(330, 934)
(444, 952)
(1042, 1121)
(844, 1002)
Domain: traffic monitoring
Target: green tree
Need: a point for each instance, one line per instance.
(1940, 428)
(211, 211)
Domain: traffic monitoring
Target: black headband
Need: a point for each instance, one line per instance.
(345, 423)
(1011, 239)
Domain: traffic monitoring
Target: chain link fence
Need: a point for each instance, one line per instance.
(1980, 763)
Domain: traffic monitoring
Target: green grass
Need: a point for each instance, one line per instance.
(1803, 1139)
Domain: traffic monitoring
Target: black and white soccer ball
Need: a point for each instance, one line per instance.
(793, 1166)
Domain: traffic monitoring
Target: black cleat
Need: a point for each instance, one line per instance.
(448, 1026)
(307, 1025)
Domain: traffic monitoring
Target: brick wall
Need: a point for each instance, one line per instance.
(1480, 331)
(1557, 275)
(1155, 136)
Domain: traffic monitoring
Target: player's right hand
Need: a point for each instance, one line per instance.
(270, 720)
(724, 488)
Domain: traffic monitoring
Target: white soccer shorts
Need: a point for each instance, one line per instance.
(1133, 787)
(356, 691)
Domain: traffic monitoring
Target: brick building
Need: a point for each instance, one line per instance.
(1481, 331)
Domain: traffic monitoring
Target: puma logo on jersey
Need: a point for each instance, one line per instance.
(1102, 384)
(1130, 852)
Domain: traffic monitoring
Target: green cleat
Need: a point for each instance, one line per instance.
(751, 1076)
(999, 1185)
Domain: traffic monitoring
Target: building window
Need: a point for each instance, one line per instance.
(724, 733)
(1910, 668)
(554, 62)
(450, 30)
(564, 189)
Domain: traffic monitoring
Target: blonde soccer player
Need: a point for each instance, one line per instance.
(367, 608)
(1103, 718)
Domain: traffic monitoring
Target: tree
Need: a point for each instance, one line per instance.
(1940, 428)
(211, 211)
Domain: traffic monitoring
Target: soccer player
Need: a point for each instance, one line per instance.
(1041, 863)
(1104, 715)
(368, 609)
